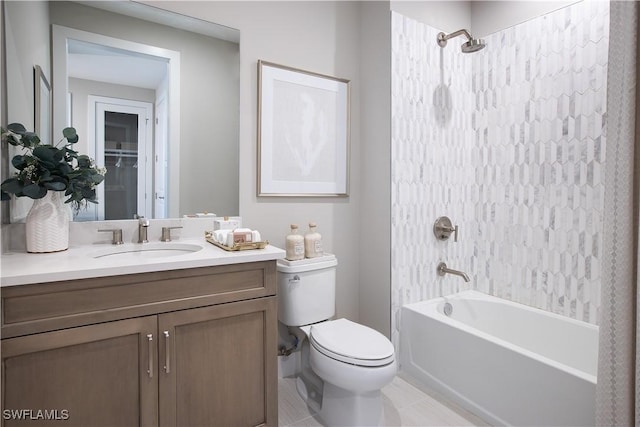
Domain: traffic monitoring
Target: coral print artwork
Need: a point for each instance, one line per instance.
(305, 154)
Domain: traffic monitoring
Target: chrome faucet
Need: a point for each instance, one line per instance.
(117, 235)
(166, 233)
(443, 269)
(143, 225)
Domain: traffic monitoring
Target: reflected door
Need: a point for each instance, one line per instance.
(160, 205)
(124, 144)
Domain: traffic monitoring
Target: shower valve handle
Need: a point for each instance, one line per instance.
(443, 228)
(455, 234)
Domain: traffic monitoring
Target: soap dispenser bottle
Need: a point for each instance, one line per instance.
(313, 242)
(294, 245)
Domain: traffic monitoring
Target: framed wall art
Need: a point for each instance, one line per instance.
(303, 133)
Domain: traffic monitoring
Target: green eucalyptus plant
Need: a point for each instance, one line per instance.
(45, 167)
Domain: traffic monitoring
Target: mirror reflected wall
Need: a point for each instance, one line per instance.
(167, 134)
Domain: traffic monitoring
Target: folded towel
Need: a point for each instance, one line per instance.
(238, 235)
(220, 236)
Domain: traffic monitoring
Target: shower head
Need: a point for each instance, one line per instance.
(471, 45)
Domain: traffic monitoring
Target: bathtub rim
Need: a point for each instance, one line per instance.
(429, 308)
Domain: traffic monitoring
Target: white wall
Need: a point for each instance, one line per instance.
(448, 16)
(323, 37)
(490, 16)
(4, 155)
(479, 16)
(375, 113)
(27, 45)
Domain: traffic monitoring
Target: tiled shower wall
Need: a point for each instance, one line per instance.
(509, 143)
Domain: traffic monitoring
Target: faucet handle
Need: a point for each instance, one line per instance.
(117, 235)
(166, 233)
(443, 228)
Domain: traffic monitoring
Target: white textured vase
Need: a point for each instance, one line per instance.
(47, 224)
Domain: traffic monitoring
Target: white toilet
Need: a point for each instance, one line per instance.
(344, 364)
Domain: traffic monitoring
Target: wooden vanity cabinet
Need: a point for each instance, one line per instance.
(87, 376)
(191, 359)
(214, 364)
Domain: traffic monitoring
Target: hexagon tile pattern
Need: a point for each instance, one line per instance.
(508, 142)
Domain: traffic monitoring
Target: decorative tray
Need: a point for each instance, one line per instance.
(208, 235)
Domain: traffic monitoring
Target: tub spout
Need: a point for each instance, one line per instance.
(443, 269)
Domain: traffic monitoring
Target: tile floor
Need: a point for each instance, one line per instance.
(405, 404)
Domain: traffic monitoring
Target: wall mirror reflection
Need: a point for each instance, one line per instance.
(154, 97)
(42, 105)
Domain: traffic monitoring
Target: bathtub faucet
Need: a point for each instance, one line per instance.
(443, 269)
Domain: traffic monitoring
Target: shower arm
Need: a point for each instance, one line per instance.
(442, 37)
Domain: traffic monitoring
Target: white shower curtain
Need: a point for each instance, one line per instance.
(617, 395)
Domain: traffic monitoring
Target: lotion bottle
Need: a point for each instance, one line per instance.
(313, 242)
(294, 245)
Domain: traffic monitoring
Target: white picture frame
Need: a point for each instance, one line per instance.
(303, 133)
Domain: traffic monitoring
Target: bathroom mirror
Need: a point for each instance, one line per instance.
(191, 166)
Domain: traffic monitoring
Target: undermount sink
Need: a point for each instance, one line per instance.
(147, 250)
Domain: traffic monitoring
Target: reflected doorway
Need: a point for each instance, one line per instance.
(124, 145)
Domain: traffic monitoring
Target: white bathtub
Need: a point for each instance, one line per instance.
(508, 363)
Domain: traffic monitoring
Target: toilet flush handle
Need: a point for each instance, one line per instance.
(295, 279)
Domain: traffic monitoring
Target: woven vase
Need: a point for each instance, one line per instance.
(47, 224)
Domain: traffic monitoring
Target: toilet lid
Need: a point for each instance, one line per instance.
(352, 343)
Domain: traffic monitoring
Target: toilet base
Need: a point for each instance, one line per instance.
(341, 407)
(310, 393)
(337, 406)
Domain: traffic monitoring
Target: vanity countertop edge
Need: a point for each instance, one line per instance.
(21, 268)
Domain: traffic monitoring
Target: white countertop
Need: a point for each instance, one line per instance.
(20, 268)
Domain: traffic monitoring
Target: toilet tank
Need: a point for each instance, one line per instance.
(306, 290)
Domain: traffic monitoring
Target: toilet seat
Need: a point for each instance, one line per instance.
(351, 343)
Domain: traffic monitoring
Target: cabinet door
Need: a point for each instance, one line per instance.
(98, 375)
(218, 365)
